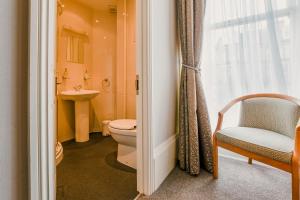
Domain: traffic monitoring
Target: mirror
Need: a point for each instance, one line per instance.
(75, 42)
(75, 49)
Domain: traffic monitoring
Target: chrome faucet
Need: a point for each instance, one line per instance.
(77, 87)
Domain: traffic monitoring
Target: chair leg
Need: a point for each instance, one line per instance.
(295, 181)
(250, 161)
(215, 158)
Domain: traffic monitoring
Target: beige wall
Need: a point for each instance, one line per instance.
(131, 60)
(104, 66)
(109, 59)
(126, 60)
(80, 18)
(13, 101)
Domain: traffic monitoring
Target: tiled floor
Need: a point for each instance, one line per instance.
(90, 171)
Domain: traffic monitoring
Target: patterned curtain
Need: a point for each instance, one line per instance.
(195, 145)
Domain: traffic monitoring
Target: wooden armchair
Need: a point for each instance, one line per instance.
(266, 133)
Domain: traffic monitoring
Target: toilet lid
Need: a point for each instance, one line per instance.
(123, 124)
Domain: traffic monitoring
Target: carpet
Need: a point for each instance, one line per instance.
(237, 181)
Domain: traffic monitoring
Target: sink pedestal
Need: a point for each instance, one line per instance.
(82, 121)
(82, 99)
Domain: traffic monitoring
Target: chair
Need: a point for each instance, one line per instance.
(268, 131)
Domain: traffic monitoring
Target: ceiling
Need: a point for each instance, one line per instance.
(99, 4)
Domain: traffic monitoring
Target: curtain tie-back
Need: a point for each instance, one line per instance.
(196, 68)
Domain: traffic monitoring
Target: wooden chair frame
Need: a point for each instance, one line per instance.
(292, 168)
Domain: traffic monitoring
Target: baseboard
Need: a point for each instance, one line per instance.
(164, 160)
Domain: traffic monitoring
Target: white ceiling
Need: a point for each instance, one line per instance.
(98, 4)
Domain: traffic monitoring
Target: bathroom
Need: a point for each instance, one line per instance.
(96, 99)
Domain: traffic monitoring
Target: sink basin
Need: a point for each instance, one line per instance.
(80, 95)
(82, 100)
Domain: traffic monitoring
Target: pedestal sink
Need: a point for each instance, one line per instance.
(81, 99)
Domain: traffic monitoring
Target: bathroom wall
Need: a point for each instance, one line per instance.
(114, 63)
(131, 60)
(79, 18)
(104, 67)
(109, 59)
(126, 60)
(14, 104)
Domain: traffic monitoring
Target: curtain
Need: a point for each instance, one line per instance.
(195, 148)
(250, 46)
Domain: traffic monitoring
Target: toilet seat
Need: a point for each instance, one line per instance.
(123, 127)
(123, 132)
(123, 124)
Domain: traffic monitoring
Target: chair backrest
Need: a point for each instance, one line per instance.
(275, 114)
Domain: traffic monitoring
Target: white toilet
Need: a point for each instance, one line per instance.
(123, 131)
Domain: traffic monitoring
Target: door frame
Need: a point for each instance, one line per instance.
(42, 137)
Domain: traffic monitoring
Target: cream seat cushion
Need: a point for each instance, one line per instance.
(259, 141)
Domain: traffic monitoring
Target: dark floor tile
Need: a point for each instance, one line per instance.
(90, 171)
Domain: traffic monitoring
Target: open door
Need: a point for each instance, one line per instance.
(157, 69)
(158, 78)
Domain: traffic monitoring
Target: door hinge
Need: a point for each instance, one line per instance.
(137, 84)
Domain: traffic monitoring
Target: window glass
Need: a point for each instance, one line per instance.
(250, 47)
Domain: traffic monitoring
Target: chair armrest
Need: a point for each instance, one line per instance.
(297, 141)
(225, 109)
(269, 95)
(229, 105)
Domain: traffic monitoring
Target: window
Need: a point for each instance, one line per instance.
(250, 46)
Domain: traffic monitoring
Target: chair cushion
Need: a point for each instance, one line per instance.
(272, 114)
(259, 141)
